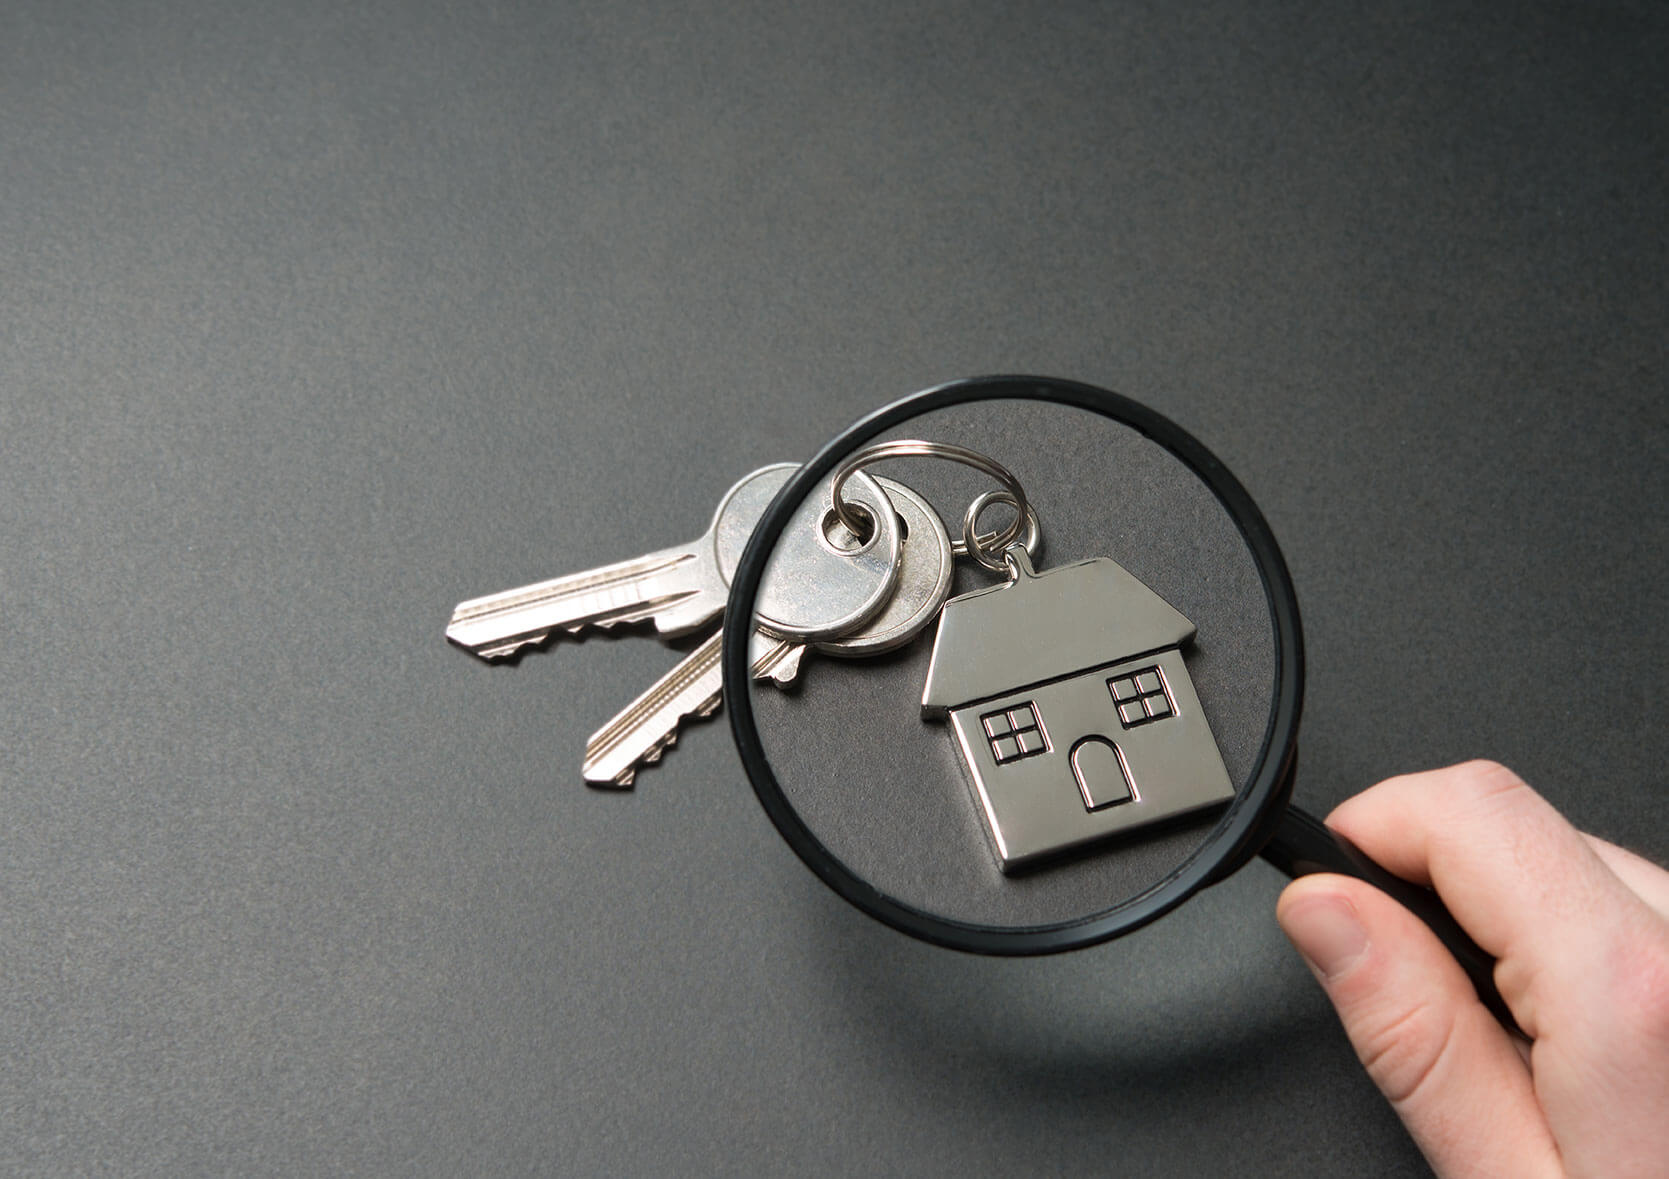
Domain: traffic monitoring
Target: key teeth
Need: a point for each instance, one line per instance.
(625, 780)
(606, 625)
(621, 781)
(503, 650)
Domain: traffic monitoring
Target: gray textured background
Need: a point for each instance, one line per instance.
(315, 319)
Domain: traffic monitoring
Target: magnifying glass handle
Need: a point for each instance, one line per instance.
(1303, 844)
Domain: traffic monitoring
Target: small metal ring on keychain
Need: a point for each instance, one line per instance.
(982, 547)
(917, 448)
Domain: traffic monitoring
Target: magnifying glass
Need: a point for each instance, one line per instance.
(911, 782)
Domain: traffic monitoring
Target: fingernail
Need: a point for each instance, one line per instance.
(1328, 933)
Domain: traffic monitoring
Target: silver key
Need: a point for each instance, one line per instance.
(926, 564)
(648, 726)
(682, 589)
(822, 581)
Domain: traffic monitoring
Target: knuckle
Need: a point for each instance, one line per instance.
(1496, 803)
(1402, 1054)
(1640, 991)
(1469, 788)
(1490, 780)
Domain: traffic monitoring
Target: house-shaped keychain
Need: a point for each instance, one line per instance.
(1072, 707)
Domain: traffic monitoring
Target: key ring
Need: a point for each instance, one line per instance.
(1025, 519)
(982, 547)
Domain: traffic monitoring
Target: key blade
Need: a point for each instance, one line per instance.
(648, 726)
(775, 660)
(678, 589)
(694, 689)
(670, 586)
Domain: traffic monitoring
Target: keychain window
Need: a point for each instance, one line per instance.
(1015, 733)
(1141, 697)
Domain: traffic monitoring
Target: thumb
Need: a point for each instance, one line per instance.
(1449, 1069)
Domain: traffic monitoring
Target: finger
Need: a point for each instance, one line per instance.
(1649, 882)
(1522, 881)
(1447, 1067)
(1583, 960)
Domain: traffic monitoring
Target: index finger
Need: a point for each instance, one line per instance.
(1523, 882)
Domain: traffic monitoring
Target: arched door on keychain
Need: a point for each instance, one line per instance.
(1103, 717)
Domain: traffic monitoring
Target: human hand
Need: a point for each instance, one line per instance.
(1580, 931)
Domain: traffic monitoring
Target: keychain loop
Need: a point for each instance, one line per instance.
(1012, 492)
(983, 547)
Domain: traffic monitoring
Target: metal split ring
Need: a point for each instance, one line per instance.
(1025, 519)
(984, 547)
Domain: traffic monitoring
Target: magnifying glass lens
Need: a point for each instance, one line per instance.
(1032, 759)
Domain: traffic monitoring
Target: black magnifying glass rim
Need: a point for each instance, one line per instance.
(1240, 829)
